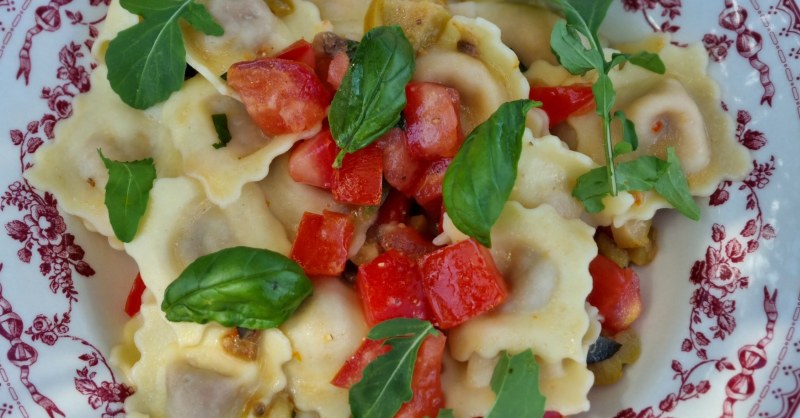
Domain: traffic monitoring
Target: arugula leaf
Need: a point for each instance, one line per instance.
(127, 194)
(146, 62)
(630, 142)
(641, 174)
(372, 94)
(591, 12)
(647, 60)
(604, 98)
(480, 178)
(591, 187)
(386, 382)
(220, 121)
(674, 187)
(515, 381)
(568, 47)
(237, 287)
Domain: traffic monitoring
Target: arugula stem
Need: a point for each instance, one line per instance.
(611, 169)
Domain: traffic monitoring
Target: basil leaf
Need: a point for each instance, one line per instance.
(146, 62)
(515, 381)
(568, 47)
(127, 194)
(480, 178)
(220, 121)
(373, 91)
(445, 413)
(386, 382)
(674, 187)
(237, 287)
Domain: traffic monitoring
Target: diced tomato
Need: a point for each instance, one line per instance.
(562, 101)
(394, 209)
(401, 169)
(615, 294)
(300, 51)
(353, 369)
(337, 69)
(281, 96)
(391, 287)
(311, 161)
(322, 242)
(134, 301)
(552, 414)
(407, 240)
(426, 382)
(433, 120)
(428, 191)
(359, 181)
(461, 281)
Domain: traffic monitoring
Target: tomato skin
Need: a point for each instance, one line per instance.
(359, 181)
(401, 169)
(281, 96)
(433, 120)
(390, 286)
(311, 161)
(552, 414)
(337, 69)
(394, 209)
(353, 369)
(300, 51)
(407, 240)
(461, 281)
(428, 191)
(615, 294)
(426, 383)
(134, 301)
(562, 101)
(322, 242)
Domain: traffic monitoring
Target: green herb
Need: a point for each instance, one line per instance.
(386, 382)
(372, 94)
(237, 287)
(480, 178)
(220, 121)
(127, 194)
(445, 413)
(576, 44)
(515, 381)
(146, 62)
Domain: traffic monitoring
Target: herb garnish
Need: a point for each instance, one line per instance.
(373, 91)
(482, 174)
(569, 43)
(386, 382)
(127, 194)
(220, 121)
(515, 381)
(237, 287)
(146, 62)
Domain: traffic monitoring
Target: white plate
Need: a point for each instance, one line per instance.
(722, 300)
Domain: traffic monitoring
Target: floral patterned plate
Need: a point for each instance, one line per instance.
(722, 300)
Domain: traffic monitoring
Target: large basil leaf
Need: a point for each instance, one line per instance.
(373, 92)
(237, 287)
(127, 194)
(482, 174)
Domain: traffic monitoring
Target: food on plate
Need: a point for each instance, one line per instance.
(382, 208)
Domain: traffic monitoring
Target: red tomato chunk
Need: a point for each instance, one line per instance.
(401, 169)
(322, 242)
(300, 51)
(562, 101)
(311, 161)
(353, 369)
(426, 383)
(281, 96)
(403, 238)
(391, 287)
(615, 294)
(461, 282)
(433, 120)
(394, 209)
(337, 69)
(428, 192)
(134, 301)
(360, 179)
